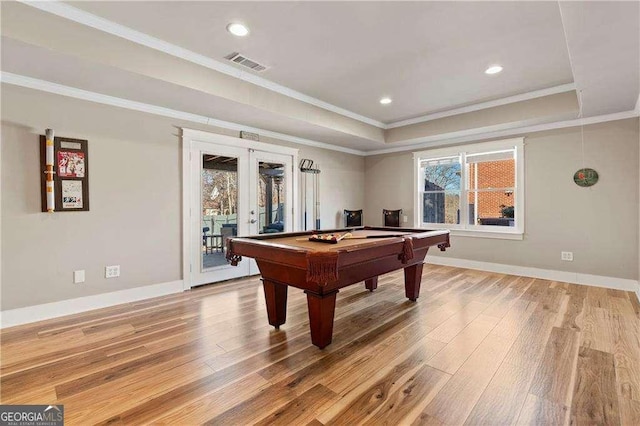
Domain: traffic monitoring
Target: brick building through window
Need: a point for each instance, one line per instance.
(491, 195)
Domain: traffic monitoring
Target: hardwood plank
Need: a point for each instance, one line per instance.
(598, 297)
(165, 359)
(512, 294)
(371, 362)
(107, 346)
(456, 352)
(201, 407)
(256, 407)
(629, 411)
(466, 386)
(573, 315)
(73, 368)
(611, 292)
(539, 411)
(426, 420)
(446, 331)
(360, 331)
(302, 409)
(180, 396)
(626, 348)
(120, 395)
(373, 390)
(515, 319)
(554, 378)
(595, 400)
(412, 396)
(503, 398)
(596, 330)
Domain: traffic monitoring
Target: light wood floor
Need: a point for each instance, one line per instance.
(477, 348)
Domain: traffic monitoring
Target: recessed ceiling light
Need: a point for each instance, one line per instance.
(494, 69)
(385, 101)
(238, 29)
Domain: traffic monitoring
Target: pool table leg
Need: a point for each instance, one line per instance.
(371, 284)
(412, 278)
(275, 295)
(321, 311)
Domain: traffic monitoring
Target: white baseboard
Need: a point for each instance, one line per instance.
(547, 274)
(45, 311)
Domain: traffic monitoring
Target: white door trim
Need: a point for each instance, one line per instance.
(189, 138)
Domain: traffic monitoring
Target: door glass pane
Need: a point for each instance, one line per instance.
(219, 201)
(271, 197)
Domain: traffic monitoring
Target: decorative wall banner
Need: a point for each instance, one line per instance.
(49, 172)
(69, 162)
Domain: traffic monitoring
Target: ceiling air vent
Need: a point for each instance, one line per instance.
(239, 59)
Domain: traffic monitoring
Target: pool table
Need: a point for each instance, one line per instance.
(321, 269)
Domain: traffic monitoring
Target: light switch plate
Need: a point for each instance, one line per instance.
(78, 276)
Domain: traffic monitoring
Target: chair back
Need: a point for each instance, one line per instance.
(352, 218)
(392, 217)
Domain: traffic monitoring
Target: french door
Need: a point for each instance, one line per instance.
(235, 188)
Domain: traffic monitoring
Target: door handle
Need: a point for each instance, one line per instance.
(252, 221)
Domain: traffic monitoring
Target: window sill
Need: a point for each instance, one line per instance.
(511, 234)
(487, 234)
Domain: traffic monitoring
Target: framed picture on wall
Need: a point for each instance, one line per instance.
(71, 174)
(70, 164)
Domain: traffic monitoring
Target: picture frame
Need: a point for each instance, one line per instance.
(71, 174)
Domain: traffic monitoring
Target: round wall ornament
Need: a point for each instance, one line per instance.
(585, 177)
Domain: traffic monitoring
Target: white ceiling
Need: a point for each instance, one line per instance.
(428, 56)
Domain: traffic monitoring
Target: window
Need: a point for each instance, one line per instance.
(475, 190)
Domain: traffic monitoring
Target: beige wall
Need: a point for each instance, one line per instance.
(599, 224)
(135, 186)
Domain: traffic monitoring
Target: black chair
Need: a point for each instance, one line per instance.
(392, 217)
(352, 218)
(205, 229)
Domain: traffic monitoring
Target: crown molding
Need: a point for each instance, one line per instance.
(72, 92)
(470, 135)
(498, 131)
(484, 105)
(71, 13)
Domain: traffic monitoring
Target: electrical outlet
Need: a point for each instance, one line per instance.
(112, 271)
(78, 276)
(566, 256)
(404, 219)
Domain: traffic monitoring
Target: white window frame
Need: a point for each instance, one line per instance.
(464, 228)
